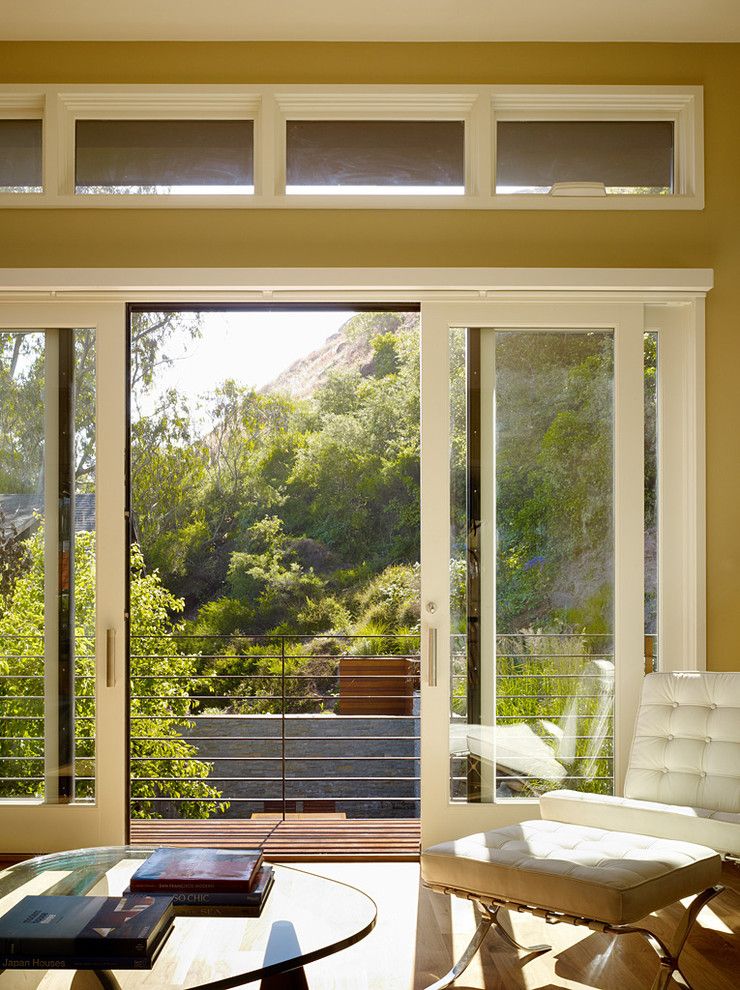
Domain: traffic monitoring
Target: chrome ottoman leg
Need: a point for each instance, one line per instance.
(669, 955)
(489, 919)
(507, 935)
(464, 961)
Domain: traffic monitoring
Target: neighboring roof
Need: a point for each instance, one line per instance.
(20, 513)
(383, 20)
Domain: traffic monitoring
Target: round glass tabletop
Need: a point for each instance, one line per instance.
(304, 918)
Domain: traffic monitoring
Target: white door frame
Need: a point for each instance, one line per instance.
(681, 515)
(38, 297)
(33, 826)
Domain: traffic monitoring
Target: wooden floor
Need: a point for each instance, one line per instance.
(419, 933)
(296, 839)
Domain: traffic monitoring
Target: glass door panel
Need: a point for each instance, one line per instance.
(531, 562)
(652, 499)
(47, 561)
(533, 551)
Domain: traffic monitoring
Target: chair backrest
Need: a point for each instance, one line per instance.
(686, 747)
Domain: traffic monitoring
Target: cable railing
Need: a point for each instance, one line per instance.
(275, 725)
(250, 726)
(543, 719)
(23, 745)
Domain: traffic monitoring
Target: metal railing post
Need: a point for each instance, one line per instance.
(282, 721)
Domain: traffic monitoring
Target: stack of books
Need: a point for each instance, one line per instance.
(48, 932)
(207, 881)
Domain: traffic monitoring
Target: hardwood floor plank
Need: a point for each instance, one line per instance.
(419, 934)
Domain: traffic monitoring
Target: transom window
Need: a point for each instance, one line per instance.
(161, 157)
(423, 147)
(20, 156)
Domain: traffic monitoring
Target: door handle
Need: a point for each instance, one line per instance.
(110, 657)
(432, 673)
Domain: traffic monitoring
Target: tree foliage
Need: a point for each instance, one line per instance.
(160, 706)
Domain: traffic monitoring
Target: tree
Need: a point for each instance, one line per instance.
(152, 334)
(160, 708)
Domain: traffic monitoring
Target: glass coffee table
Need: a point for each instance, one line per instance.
(305, 918)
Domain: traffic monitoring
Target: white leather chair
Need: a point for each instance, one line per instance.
(607, 862)
(683, 778)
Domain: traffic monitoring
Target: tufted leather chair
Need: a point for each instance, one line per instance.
(683, 779)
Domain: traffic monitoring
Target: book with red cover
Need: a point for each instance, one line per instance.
(225, 870)
(248, 904)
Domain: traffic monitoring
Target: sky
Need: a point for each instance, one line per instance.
(253, 348)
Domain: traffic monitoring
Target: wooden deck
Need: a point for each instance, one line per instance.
(297, 838)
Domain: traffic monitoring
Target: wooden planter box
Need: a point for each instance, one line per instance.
(376, 686)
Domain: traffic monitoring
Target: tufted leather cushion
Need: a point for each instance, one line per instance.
(616, 877)
(686, 746)
(719, 830)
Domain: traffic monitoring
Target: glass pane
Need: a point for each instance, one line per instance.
(20, 156)
(47, 564)
(626, 156)
(164, 156)
(532, 562)
(375, 156)
(651, 501)
(84, 605)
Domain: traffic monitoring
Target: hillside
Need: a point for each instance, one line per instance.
(349, 349)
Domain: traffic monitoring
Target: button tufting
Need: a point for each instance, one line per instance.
(670, 738)
(707, 738)
(703, 773)
(713, 706)
(675, 704)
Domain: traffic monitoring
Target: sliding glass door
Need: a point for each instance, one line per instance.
(61, 596)
(542, 477)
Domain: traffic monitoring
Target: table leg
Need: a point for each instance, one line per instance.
(294, 979)
(107, 980)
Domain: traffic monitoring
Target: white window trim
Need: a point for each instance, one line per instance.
(680, 105)
(271, 106)
(674, 302)
(27, 106)
(151, 104)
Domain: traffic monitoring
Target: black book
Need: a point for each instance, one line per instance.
(130, 928)
(78, 961)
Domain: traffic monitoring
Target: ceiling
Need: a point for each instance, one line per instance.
(378, 20)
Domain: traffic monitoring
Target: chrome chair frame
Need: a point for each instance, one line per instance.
(490, 907)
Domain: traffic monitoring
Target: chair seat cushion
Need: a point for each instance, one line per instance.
(615, 877)
(720, 830)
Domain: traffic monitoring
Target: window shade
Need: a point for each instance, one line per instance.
(619, 153)
(418, 153)
(163, 153)
(20, 154)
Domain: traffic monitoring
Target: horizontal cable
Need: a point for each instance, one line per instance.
(260, 779)
(260, 800)
(276, 738)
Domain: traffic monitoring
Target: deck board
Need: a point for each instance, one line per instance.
(293, 839)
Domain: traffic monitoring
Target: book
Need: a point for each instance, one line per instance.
(190, 870)
(129, 927)
(248, 904)
(86, 961)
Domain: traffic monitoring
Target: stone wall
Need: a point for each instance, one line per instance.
(376, 757)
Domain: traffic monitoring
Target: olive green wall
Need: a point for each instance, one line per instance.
(216, 238)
